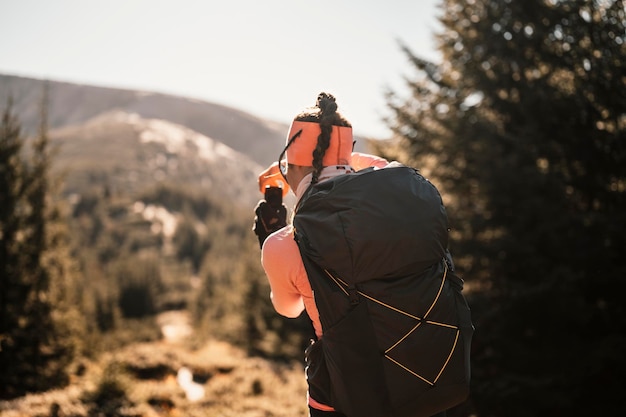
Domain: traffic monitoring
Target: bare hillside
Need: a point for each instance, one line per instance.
(172, 378)
(72, 104)
(128, 154)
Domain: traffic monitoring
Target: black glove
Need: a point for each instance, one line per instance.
(268, 219)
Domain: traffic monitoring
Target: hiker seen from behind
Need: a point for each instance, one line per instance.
(365, 255)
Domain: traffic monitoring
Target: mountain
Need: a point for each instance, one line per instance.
(71, 104)
(128, 153)
(74, 104)
(129, 140)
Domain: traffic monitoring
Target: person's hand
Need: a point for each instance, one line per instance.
(268, 219)
(273, 178)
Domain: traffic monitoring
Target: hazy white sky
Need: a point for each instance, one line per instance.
(267, 57)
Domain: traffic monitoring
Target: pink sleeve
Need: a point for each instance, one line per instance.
(363, 160)
(281, 260)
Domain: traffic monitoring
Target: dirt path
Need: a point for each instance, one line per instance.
(175, 325)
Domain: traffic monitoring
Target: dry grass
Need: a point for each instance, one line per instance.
(141, 380)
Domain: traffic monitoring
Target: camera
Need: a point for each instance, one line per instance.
(274, 196)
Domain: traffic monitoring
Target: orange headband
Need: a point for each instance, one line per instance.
(300, 152)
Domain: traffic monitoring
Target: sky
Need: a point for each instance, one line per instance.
(270, 58)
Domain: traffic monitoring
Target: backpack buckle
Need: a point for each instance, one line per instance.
(353, 293)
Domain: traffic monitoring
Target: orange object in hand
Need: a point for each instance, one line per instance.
(272, 177)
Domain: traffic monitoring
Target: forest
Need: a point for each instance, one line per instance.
(522, 128)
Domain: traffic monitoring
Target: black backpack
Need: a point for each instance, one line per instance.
(397, 329)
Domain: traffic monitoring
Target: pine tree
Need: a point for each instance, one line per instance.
(13, 291)
(40, 320)
(522, 125)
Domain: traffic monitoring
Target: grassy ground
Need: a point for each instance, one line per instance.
(146, 380)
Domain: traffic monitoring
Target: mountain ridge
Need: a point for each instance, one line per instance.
(73, 104)
(124, 159)
(128, 153)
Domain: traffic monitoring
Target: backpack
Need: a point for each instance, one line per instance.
(396, 327)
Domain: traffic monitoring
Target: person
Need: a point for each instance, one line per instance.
(319, 146)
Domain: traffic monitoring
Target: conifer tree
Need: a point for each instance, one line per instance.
(40, 322)
(13, 292)
(522, 126)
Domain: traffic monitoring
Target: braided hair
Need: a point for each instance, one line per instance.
(325, 113)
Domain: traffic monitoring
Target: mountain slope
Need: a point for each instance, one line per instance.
(227, 382)
(71, 104)
(128, 153)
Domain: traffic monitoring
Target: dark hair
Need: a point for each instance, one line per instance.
(325, 113)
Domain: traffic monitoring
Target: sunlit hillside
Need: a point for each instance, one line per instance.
(128, 153)
(173, 377)
(73, 104)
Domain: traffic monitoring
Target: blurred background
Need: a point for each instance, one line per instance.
(131, 139)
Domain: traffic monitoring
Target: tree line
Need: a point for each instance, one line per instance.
(522, 126)
(39, 321)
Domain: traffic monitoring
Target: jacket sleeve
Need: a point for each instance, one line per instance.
(280, 258)
(362, 160)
